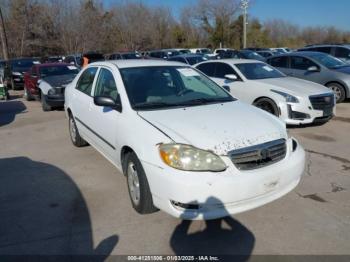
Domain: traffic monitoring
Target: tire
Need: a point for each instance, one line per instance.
(13, 87)
(267, 105)
(338, 90)
(139, 192)
(44, 104)
(75, 137)
(27, 96)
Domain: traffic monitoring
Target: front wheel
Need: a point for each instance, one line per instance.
(139, 191)
(338, 90)
(267, 105)
(44, 104)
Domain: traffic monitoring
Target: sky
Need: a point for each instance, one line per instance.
(299, 12)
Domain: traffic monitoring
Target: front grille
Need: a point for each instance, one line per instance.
(260, 155)
(322, 102)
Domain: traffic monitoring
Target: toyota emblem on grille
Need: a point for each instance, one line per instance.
(264, 154)
(327, 99)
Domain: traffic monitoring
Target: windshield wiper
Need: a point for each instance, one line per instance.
(150, 105)
(203, 101)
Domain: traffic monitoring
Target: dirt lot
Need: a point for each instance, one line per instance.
(58, 199)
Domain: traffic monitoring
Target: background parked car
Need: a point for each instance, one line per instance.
(339, 51)
(316, 67)
(19, 67)
(190, 59)
(51, 82)
(41, 71)
(124, 55)
(266, 54)
(77, 59)
(163, 53)
(294, 101)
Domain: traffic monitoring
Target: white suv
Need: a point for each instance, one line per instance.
(185, 145)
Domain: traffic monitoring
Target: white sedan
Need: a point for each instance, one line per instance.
(293, 100)
(185, 144)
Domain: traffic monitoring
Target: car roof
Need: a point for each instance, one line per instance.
(299, 53)
(52, 64)
(137, 63)
(234, 61)
(187, 55)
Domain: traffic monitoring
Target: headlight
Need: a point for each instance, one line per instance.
(52, 91)
(16, 73)
(289, 98)
(189, 158)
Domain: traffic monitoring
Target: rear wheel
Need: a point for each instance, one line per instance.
(76, 139)
(267, 105)
(139, 191)
(27, 96)
(338, 90)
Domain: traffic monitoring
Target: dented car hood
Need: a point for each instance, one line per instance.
(217, 127)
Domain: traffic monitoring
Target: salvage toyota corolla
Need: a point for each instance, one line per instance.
(185, 145)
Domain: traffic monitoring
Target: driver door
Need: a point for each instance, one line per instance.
(237, 88)
(106, 121)
(299, 66)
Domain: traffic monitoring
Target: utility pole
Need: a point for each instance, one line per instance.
(3, 38)
(244, 6)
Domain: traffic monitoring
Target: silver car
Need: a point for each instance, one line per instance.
(316, 67)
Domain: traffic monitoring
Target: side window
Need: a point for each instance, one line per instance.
(86, 80)
(301, 63)
(207, 68)
(342, 52)
(281, 61)
(323, 49)
(105, 85)
(223, 69)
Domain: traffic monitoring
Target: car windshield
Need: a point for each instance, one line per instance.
(254, 71)
(184, 51)
(58, 70)
(205, 51)
(21, 65)
(252, 55)
(131, 56)
(327, 60)
(195, 59)
(156, 87)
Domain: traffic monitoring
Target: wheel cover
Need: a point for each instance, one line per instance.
(133, 183)
(336, 91)
(72, 129)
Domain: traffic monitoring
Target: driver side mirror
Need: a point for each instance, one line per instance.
(108, 102)
(231, 77)
(313, 69)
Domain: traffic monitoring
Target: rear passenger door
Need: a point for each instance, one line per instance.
(83, 102)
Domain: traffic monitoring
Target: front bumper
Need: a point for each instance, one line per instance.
(55, 100)
(210, 195)
(302, 113)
